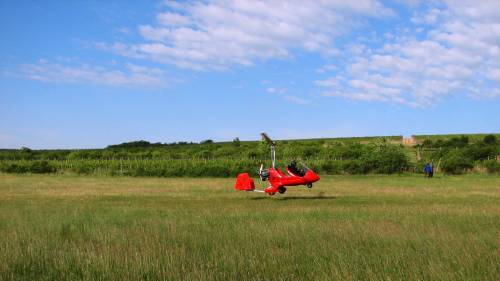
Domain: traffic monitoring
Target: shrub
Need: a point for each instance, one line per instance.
(331, 167)
(386, 158)
(205, 154)
(41, 167)
(489, 139)
(389, 160)
(492, 166)
(455, 162)
(480, 152)
(15, 168)
(236, 142)
(25, 150)
(309, 152)
(356, 167)
(21, 167)
(461, 141)
(427, 143)
(252, 155)
(352, 151)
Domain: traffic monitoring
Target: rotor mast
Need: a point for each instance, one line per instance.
(272, 145)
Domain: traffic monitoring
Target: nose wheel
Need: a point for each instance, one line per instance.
(282, 190)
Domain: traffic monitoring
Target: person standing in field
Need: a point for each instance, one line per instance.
(427, 170)
(431, 170)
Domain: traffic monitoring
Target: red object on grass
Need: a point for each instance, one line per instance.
(244, 182)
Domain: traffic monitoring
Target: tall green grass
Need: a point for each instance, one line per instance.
(345, 228)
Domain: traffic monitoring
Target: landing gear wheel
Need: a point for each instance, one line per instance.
(309, 185)
(282, 190)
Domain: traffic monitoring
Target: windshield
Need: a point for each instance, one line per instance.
(304, 167)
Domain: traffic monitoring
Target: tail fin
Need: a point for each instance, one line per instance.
(244, 182)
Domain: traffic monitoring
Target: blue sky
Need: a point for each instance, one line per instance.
(85, 74)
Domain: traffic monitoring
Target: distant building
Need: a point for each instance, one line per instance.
(411, 141)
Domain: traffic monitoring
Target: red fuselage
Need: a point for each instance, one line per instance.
(278, 179)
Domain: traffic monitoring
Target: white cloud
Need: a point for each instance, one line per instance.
(330, 82)
(448, 47)
(494, 93)
(484, 10)
(220, 34)
(494, 74)
(326, 68)
(124, 30)
(273, 90)
(282, 92)
(131, 75)
(173, 19)
(430, 17)
(459, 54)
(297, 100)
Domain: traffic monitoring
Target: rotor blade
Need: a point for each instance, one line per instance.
(267, 138)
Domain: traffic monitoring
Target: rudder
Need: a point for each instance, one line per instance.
(244, 182)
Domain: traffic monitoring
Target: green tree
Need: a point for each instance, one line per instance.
(456, 162)
(236, 142)
(489, 139)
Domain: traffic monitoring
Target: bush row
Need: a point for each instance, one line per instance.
(20, 167)
(377, 157)
(325, 149)
(187, 168)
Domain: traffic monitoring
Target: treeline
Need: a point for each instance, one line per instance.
(141, 158)
(458, 154)
(221, 160)
(204, 150)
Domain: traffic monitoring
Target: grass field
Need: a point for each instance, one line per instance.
(345, 228)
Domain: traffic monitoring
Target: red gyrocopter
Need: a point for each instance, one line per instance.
(278, 181)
